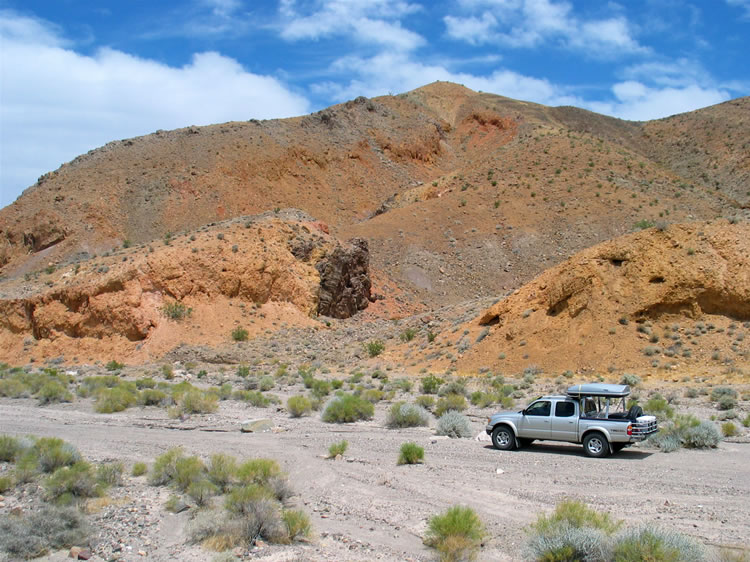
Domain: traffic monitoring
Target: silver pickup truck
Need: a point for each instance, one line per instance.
(592, 414)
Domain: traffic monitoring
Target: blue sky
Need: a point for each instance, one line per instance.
(75, 77)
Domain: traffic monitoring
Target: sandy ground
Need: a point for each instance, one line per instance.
(365, 507)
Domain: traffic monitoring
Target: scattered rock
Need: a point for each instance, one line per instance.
(256, 425)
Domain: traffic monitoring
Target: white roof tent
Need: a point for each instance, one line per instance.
(599, 389)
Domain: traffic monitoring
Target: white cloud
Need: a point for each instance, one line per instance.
(366, 21)
(744, 4)
(57, 103)
(677, 73)
(397, 72)
(531, 23)
(638, 102)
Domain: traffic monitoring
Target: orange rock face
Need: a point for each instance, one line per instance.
(118, 301)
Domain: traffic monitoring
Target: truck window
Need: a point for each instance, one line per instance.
(565, 409)
(541, 408)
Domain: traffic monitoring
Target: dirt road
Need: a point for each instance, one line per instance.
(366, 507)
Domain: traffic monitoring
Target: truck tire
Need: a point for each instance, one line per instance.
(503, 438)
(596, 445)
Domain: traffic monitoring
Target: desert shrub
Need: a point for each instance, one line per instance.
(651, 543)
(665, 441)
(258, 471)
(402, 414)
(726, 402)
(186, 471)
(659, 407)
(454, 425)
(13, 388)
(222, 470)
(6, 483)
(165, 467)
(151, 397)
(483, 399)
(456, 534)
(298, 406)
(338, 448)
(139, 469)
(453, 387)
(117, 399)
(201, 491)
(403, 384)
(240, 334)
(703, 436)
(572, 532)
(51, 453)
(408, 334)
(253, 397)
(196, 401)
(691, 393)
(320, 388)
(240, 499)
(145, 382)
(721, 391)
(71, 483)
(425, 401)
(451, 402)
(410, 453)
(430, 384)
(50, 528)
(266, 383)
(630, 380)
(297, 524)
(10, 447)
(348, 408)
(728, 429)
(53, 391)
(336, 384)
(372, 395)
(374, 348)
(91, 385)
(176, 311)
(110, 474)
(114, 366)
(746, 421)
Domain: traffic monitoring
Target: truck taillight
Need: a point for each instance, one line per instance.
(630, 429)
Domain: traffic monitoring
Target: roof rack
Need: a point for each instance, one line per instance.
(599, 389)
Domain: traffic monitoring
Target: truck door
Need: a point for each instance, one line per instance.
(564, 425)
(536, 420)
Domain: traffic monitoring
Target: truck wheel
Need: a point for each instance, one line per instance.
(503, 438)
(596, 445)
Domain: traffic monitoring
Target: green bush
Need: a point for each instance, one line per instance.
(13, 388)
(722, 391)
(408, 334)
(145, 382)
(110, 474)
(53, 391)
(186, 471)
(50, 528)
(402, 414)
(91, 385)
(320, 388)
(117, 399)
(703, 436)
(10, 447)
(451, 402)
(51, 453)
(575, 514)
(456, 534)
(728, 429)
(139, 469)
(165, 467)
(201, 491)
(196, 401)
(70, 483)
(649, 543)
(338, 448)
(630, 380)
(258, 471)
(253, 397)
(425, 401)
(240, 500)
(374, 348)
(659, 407)
(297, 524)
(222, 471)
(114, 366)
(6, 483)
(411, 453)
(298, 406)
(348, 408)
(746, 421)
(430, 384)
(176, 311)
(240, 334)
(453, 387)
(454, 425)
(726, 403)
(151, 397)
